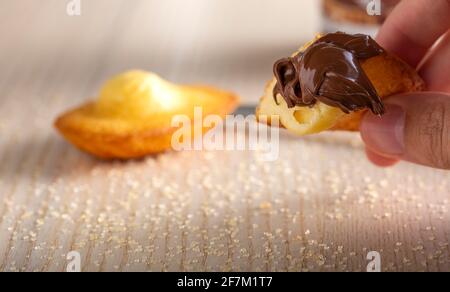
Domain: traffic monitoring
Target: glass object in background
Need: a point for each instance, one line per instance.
(352, 16)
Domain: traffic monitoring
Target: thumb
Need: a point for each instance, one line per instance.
(415, 128)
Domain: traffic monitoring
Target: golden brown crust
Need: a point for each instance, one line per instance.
(389, 75)
(125, 139)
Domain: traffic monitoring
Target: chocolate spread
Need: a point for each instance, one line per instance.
(329, 71)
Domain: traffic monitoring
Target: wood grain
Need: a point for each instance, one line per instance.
(320, 207)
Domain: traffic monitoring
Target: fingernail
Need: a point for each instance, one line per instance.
(385, 134)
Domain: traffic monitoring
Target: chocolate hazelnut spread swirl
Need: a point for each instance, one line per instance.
(329, 71)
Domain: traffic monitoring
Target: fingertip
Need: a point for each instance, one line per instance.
(413, 129)
(379, 160)
(384, 134)
(413, 27)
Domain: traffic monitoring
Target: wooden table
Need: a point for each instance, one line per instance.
(320, 207)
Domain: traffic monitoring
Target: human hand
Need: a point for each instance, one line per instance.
(416, 127)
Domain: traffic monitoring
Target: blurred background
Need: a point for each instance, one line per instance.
(227, 43)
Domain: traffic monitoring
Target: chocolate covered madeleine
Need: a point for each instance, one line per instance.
(332, 81)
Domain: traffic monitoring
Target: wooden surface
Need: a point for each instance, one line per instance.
(320, 207)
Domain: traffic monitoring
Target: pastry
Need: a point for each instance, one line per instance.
(332, 81)
(132, 116)
(355, 11)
